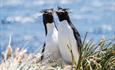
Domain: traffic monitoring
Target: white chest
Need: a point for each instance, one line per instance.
(66, 39)
(52, 36)
(64, 32)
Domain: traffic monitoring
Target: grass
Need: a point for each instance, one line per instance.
(99, 56)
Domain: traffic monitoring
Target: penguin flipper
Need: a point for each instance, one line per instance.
(77, 37)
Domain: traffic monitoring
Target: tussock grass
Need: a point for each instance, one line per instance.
(100, 56)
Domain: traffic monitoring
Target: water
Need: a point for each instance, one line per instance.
(21, 19)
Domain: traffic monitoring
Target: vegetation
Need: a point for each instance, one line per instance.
(100, 56)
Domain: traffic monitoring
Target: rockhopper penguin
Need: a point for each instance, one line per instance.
(68, 38)
(50, 49)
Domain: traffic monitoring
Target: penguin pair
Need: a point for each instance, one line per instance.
(61, 42)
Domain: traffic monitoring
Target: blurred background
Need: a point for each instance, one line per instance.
(21, 19)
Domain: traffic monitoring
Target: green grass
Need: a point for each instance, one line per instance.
(100, 56)
(94, 56)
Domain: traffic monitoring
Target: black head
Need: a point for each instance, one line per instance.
(62, 14)
(48, 16)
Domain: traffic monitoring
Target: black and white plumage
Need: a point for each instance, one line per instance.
(68, 37)
(50, 49)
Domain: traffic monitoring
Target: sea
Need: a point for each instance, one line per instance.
(22, 21)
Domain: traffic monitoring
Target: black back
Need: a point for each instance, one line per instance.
(63, 15)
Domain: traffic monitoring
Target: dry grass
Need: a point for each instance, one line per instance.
(100, 56)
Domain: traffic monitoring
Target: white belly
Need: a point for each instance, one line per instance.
(51, 47)
(66, 39)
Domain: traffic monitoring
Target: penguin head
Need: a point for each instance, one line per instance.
(48, 16)
(62, 14)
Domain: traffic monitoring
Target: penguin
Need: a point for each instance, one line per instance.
(50, 49)
(68, 38)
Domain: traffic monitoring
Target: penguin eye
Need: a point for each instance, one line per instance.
(50, 13)
(47, 13)
(62, 13)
